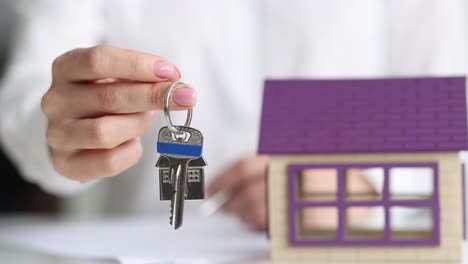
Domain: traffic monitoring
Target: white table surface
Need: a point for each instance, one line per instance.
(64, 242)
(27, 239)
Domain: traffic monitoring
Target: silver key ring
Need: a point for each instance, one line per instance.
(167, 100)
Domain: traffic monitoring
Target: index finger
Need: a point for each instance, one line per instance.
(105, 61)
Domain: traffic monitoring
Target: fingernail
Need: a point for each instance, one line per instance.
(153, 114)
(164, 69)
(184, 96)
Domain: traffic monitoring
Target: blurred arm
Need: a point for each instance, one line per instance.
(45, 29)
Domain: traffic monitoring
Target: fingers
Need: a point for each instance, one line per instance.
(99, 103)
(244, 171)
(245, 181)
(105, 61)
(249, 203)
(242, 198)
(256, 218)
(98, 163)
(80, 100)
(130, 98)
(100, 133)
(320, 218)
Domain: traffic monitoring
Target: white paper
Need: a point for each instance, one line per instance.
(136, 241)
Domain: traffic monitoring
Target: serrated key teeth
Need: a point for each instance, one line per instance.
(172, 212)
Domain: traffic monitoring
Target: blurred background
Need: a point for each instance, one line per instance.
(16, 194)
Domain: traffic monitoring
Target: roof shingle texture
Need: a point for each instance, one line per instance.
(372, 115)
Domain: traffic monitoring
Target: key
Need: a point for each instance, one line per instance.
(177, 151)
(195, 180)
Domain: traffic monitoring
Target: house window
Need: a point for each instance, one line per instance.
(364, 204)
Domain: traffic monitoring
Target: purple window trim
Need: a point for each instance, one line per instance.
(341, 204)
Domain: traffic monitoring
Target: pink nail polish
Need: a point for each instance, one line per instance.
(153, 114)
(184, 96)
(164, 69)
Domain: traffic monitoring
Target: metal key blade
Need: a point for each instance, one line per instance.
(179, 169)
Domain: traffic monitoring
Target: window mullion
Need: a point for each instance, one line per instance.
(341, 205)
(386, 204)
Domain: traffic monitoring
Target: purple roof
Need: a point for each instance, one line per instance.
(373, 115)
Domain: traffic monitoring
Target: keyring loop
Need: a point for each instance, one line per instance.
(167, 100)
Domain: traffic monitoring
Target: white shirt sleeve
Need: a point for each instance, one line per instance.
(425, 37)
(45, 29)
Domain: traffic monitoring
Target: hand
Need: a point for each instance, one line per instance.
(245, 182)
(100, 101)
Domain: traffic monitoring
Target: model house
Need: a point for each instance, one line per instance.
(387, 155)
